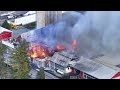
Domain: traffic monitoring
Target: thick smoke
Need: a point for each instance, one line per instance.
(95, 32)
(100, 32)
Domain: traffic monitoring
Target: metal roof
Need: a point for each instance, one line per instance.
(16, 33)
(25, 19)
(62, 58)
(95, 69)
(112, 60)
(109, 60)
(19, 12)
(4, 12)
(68, 54)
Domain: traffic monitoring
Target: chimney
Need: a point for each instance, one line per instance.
(47, 17)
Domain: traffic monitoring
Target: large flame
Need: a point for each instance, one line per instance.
(34, 55)
(42, 50)
(60, 47)
(37, 51)
(43, 54)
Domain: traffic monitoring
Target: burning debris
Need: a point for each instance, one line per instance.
(39, 50)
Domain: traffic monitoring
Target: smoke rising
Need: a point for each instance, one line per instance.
(95, 32)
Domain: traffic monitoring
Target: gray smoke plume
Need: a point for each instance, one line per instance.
(98, 31)
(95, 32)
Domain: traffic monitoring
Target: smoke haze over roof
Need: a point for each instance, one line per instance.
(95, 31)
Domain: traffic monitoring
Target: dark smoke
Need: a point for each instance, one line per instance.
(95, 32)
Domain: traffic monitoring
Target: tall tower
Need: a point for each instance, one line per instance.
(40, 18)
(52, 16)
(47, 17)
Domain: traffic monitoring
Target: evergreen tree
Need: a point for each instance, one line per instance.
(3, 67)
(20, 63)
(41, 74)
(6, 25)
(30, 26)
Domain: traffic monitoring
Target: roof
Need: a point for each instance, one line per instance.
(68, 54)
(2, 29)
(5, 35)
(30, 12)
(16, 33)
(62, 58)
(95, 69)
(25, 19)
(111, 61)
(5, 12)
(20, 12)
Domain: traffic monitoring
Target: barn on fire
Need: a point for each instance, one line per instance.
(102, 67)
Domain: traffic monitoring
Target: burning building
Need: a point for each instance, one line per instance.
(87, 34)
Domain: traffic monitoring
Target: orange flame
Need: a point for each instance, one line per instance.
(43, 53)
(60, 47)
(34, 55)
(74, 44)
(37, 52)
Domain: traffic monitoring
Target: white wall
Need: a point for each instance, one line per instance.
(4, 29)
(7, 43)
(40, 17)
(26, 19)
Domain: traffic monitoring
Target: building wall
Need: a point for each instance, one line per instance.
(47, 17)
(40, 18)
(52, 16)
(25, 20)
